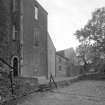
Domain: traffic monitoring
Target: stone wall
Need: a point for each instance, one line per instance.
(51, 57)
(24, 86)
(61, 66)
(34, 47)
(8, 46)
(21, 86)
(5, 29)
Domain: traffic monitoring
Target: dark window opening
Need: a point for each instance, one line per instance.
(15, 65)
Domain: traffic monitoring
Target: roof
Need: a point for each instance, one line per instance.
(62, 56)
(35, 1)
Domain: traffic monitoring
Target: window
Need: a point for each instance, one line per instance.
(21, 28)
(14, 5)
(14, 32)
(36, 37)
(60, 68)
(36, 13)
(60, 59)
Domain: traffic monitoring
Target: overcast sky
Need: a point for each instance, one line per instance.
(67, 16)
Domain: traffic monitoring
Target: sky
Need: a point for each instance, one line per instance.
(67, 16)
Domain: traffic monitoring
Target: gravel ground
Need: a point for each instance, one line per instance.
(79, 93)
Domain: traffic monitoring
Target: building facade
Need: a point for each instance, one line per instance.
(73, 66)
(33, 39)
(10, 34)
(61, 66)
(26, 45)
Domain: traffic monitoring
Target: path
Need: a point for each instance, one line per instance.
(80, 93)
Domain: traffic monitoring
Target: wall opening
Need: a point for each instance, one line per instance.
(15, 63)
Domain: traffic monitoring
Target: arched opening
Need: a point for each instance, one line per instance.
(15, 65)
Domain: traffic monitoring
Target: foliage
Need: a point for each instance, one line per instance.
(94, 31)
(92, 38)
(84, 53)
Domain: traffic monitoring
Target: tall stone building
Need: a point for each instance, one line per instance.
(10, 43)
(26, 38)
(33, 39)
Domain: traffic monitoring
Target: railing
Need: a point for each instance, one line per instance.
(6, 63)
(10, 74)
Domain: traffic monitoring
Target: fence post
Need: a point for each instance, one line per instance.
(11, 82)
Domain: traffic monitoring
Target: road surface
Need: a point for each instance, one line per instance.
(80, 93)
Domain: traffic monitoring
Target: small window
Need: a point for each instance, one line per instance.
(36, 13)
(60, 60)
(14, 5)
(14, 32)
(60, 68)
(36, 38)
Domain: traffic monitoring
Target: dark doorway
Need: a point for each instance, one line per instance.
(15, 65)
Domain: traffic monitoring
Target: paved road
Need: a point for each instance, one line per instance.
(80, 93)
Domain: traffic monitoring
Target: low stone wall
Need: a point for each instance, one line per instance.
(61, 83)
(21, 86)
(5, 91)
(24, 86)
(68, 82)
(95, 76)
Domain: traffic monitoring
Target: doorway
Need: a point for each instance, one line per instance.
(15, 65)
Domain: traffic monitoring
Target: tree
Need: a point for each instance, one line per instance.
(84, 54)
(92, 37)
(94, 31)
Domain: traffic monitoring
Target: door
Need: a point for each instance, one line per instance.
(15, 65)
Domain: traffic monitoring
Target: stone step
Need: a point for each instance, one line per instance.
(44, 87)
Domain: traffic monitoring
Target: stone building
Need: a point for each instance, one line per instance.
(74, 68)
(33, 39)
(26, 43)
(10, 34)
(70, 54)
(61, 66)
